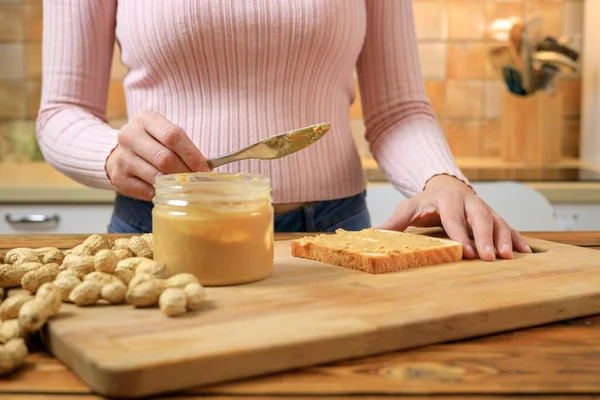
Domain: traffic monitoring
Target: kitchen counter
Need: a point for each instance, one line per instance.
(537, 362)
(39, 183)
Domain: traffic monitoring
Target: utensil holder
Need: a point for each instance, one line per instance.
(532, 128)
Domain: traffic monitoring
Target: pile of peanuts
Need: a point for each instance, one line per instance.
(97, 270)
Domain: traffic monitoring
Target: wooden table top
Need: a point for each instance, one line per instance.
(558, 361)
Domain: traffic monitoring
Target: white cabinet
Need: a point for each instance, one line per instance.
(55, 218)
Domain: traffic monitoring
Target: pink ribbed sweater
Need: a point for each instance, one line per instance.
(231, 72)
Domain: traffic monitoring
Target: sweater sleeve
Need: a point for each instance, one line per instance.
(401, 128)
(72, 128)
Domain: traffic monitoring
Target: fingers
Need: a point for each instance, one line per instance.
(452, 214)
(175, 139)
(131, 175)
(502, 237)
(519, 243)
(403, 216)
(482, 223)
(151, 150)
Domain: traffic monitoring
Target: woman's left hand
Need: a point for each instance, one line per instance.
(448, 202)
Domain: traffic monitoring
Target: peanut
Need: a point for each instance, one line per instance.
(81, 250)
(172, 302)
(33, 314)
(81, 265)
(114, 292)
(9, 309)
(122, 254)
(105, 260)
(11, 275)
(101, 277)
(181, 280)
(195, 295)
(11, 330)
(51, 296)
(86, 293)
(148, 238)
(146, 293)
(66, 283)
(20, 256)
(152, 267)
(140, 278)
(53, 256)
(12, 355)
(96, 243)
(121, 244)
(32, 280)
(140, 247)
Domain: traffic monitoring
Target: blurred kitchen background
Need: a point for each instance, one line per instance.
(520, 147)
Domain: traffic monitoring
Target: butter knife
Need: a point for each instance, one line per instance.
(276, 146)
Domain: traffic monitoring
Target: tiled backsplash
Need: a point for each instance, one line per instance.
(465, 92)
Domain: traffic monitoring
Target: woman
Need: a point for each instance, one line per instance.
(207, 77)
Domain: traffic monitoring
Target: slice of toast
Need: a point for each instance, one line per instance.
(377, 251)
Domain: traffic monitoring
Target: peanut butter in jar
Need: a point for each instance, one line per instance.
(216, 226)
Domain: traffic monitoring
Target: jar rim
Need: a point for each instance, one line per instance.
(191, 179)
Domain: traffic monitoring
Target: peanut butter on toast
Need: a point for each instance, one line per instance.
(377, 251)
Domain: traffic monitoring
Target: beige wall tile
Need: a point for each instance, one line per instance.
(571, 137)
(572, 21)
(34, 93)
(12, 21)
(118, 70)
(550, 11)
(356, 106)
(13, 99)
(117, 107)
(502, 9)
(12, 61)
(33, 60)
(466, 60)
(464, 98)
(436, 91)
(492, 98)
(465, 19)
(464, 137)
(358, 133)
(431, 20)
(433, 60)
(491, 129)
(33, 17)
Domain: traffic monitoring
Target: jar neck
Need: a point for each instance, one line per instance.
(211, 188)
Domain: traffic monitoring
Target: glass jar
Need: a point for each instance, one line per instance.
(216, 226)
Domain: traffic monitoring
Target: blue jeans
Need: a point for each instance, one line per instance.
(135, 216)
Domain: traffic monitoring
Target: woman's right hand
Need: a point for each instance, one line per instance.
(150, 145)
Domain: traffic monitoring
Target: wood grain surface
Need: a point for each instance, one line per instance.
(561, 360)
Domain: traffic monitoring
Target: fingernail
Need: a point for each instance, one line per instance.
(469, 249)
(528, 249)
(506, 249)
(490, 250)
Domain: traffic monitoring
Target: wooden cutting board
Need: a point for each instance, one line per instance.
(310, 313)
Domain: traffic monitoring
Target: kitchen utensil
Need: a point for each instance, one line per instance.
(554, 46)
(515, 36)
(564, 63)
(311, 313)
(548, 78)
(514, 81)
(274, 147)
(501, 56)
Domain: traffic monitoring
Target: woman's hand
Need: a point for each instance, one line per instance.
(148, 146)
(448, 202)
